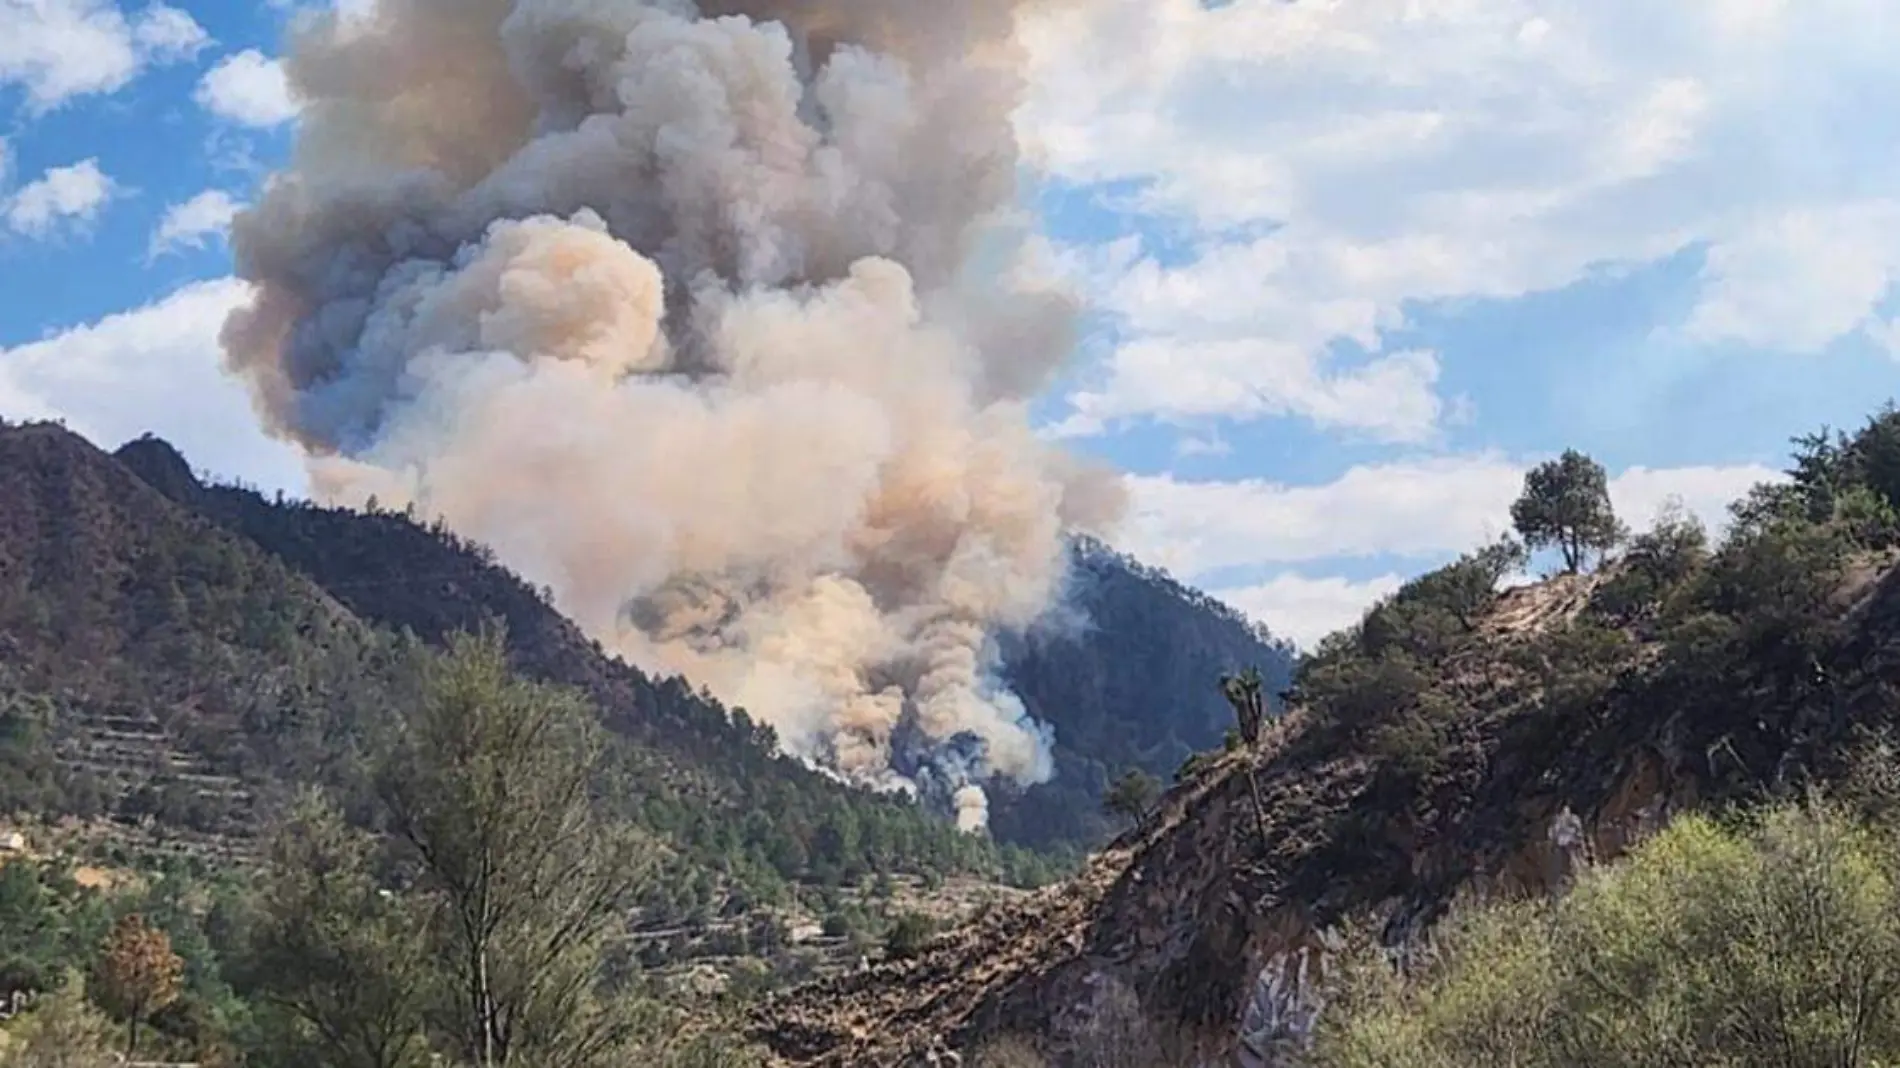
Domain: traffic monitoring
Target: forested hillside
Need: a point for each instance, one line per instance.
(1125, 679)
(160, 662)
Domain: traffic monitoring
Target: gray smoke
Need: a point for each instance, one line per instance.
(715, 319)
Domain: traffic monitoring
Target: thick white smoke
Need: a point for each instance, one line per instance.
(712, 320)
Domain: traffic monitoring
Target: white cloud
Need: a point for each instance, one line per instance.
(248, 88)
(72, 194)
(59, 49)
(1416, 508)
(154, 368)
(1424, 511)
(1886, 334)
(1802, 279)
(1337, 164)
(1420, 509)
(194, 222)
(1305, 610)
(165, 33)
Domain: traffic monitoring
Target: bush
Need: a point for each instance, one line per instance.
(1433, 614)
(1415, 743)
(1773, 943)
(1354, 692)
(909, 935)
(63, 1031)
(1656, 566)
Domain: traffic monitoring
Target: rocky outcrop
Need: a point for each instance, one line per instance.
(1202, 938)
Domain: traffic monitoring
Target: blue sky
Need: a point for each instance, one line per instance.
(1350, 266)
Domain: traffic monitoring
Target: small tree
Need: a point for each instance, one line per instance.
(138, 974)
(1566, 504)
(909, 935)
(346, 961)
(489, 788)
(1133, 795)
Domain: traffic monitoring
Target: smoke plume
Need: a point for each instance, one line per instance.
(713, 318)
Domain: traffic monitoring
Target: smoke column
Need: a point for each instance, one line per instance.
(715, 319)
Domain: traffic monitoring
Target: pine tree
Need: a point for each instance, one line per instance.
(489, 786)
(343, 957)
(1566, 504)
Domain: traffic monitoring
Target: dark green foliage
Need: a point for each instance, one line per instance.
(909, 935)
(340, 965)
(47, 925)
(1133, 796)
(1353, 690)
(1566, 505)
(1434, 613)
(1573, 667)
(1851, 480)
(1760, 619)
(1410, 744)
(1657, 564)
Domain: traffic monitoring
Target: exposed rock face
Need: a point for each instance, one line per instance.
(1202, 937)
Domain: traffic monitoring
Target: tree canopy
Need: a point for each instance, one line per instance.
(1566, 505)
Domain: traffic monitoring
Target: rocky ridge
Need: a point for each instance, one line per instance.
(1201, 936)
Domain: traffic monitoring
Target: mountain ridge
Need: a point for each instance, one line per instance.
(400, 576)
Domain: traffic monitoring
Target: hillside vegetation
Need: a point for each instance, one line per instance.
(160, 664)
(1458, 744)
(1106, 672)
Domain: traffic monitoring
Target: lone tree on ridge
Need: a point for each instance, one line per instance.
(1566, 504)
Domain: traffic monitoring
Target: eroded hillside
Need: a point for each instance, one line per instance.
(1455, 743)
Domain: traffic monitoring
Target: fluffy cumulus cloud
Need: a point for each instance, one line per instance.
(70, 195)
(1415, 512)
(154, 368)
(248, 88)
(59, 49)
(1339, 163)
(195, 222)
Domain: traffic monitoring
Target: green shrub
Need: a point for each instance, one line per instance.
(909, 935)
(1657, 564)
(1775, 943)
